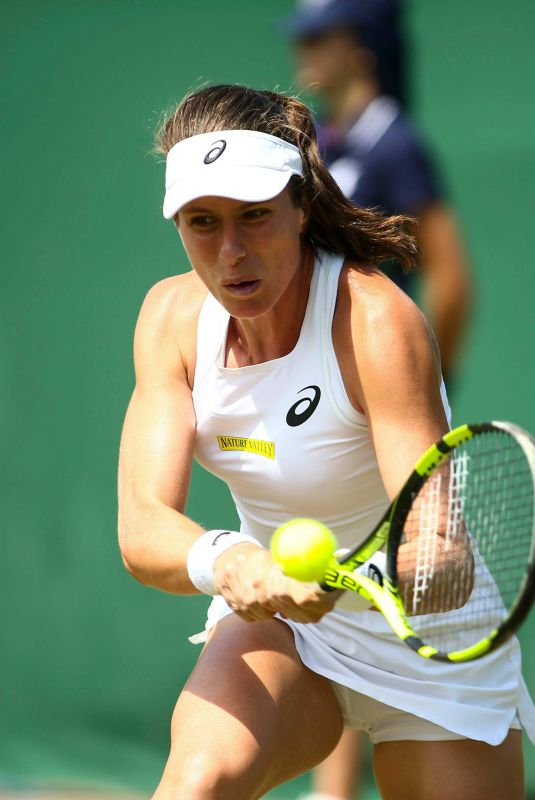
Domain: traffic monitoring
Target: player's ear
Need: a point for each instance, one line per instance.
(300, 200)
(304, 220)
(303, 208)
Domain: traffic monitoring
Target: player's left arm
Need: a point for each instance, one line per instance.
(389, 362)
(390, 366)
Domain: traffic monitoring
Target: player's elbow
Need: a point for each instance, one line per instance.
(129, 550)
(456, 583)
(128, 564)
(135, 567)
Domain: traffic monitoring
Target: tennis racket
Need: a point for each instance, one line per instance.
(459, 540)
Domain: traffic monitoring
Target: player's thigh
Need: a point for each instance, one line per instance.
(252, 710)
(441, 770)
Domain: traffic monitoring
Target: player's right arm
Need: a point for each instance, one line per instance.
(155, 466)
(158, 438)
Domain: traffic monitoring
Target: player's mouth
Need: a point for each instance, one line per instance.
(242, 287)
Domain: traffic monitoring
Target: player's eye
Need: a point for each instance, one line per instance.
(256, 213)
(201, 221)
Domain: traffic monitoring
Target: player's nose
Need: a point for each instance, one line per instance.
(232, 249)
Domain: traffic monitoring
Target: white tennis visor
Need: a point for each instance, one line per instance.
(241, 164)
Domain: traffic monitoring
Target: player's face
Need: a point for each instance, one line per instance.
(325, 63)
(245, 253)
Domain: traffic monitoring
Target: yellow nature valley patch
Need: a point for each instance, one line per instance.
(258, 446)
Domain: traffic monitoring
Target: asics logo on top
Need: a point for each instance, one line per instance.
(215, 151)
(308, 405)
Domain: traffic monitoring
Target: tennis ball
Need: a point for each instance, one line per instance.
(303, 548)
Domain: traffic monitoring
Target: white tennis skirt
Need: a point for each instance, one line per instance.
(476, 699)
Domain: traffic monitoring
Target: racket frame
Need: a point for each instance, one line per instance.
(389, 531)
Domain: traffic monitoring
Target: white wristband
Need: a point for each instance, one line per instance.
(203, 553)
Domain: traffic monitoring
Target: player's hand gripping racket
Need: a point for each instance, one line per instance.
(459, 540)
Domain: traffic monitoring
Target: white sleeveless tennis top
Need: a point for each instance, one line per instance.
(288, 443)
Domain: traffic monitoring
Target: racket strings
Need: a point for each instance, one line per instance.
(467, 542)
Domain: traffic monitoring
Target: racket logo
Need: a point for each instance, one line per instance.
(308, 405)
(375, 574)
(216, 150)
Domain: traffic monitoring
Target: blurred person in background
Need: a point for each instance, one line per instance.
(352, 55)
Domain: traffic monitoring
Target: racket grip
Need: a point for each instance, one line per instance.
(334, 564)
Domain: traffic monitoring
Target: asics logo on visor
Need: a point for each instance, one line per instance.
(216, 150)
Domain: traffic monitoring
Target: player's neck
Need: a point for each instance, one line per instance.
(274, 335)
(344, 106)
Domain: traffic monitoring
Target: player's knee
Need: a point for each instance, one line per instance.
(202, 777)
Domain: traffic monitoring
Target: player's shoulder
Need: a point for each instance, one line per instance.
(373, 295)
(173, 301)
(385, 322)
(166, 330)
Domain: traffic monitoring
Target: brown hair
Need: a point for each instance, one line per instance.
(334, 222)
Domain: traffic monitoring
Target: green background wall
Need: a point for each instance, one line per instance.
(91, 662)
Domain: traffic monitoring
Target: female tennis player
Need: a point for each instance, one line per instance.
(287, 364)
